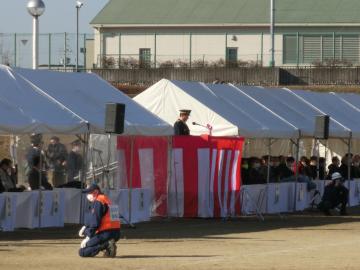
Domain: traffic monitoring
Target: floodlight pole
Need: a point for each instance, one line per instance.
(35, 8)
(35, 47)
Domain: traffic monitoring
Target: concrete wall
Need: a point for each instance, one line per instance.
(208, 45)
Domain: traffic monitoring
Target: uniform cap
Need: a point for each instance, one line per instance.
(184, 111)
(91, 188)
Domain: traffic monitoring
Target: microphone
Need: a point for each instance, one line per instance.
(208, 126)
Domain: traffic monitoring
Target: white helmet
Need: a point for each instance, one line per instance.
(336, 176)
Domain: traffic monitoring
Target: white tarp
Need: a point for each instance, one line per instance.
(24, 109)
(294, 110)
(87, 94)
(166, 98)
(333, 106)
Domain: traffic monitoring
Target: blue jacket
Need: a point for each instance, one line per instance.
(93, 219)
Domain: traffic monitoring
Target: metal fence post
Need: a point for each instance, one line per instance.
(190, 51)
(84, 53)
(49, 64)
(15, 56)
(155, 50)
(65, 50)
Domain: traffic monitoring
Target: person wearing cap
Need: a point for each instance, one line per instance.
(56, 155)
(35, 150)
(335, 194)
(101, 229)
(180, 126)
(74, 162)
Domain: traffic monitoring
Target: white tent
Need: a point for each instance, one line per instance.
(336, 108)
(294, 110)
(87, 94)
(25, 108)
(242, 116)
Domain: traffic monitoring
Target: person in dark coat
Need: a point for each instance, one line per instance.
(74, 162)
(344, 167)
(8, 177)
(335, 194)
(34, 176)
(333, 167)
(254, 174)
(56, 155)
(180, 126)
(286, 170)
(35, 150)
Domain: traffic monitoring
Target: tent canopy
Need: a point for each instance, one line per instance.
(335, 107)
(86, 95)
(294, 110)
(26, 109)
(243, 116)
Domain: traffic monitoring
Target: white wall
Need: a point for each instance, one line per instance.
(174, 45)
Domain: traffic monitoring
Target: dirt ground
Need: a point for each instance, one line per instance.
(306, 241)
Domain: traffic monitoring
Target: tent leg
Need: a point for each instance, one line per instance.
(268, 162)
(83, 173)
(131, 175)
(169, 170)
(349, 159)
(297, 144)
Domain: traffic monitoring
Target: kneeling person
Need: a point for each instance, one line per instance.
(100, 230)
(335, 194)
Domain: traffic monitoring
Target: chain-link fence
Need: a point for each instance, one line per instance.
(55, 50)
(133, 50)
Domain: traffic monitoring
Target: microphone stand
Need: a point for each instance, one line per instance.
(208, 127)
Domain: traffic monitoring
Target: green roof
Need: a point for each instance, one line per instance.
(162, 12)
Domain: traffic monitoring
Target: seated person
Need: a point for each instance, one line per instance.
(335, 194)
(244, 171)
(304, 167)
(286, 171)
(313, 168)
(8, 177)
(264, 169)
(333, 167)
(356, 167)
(254, 172)
(35, 174)
(344, 171)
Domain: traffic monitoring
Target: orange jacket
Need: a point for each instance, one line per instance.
(106, 223)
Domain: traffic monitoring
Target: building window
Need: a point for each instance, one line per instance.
(231, 56)
(144, 58)
(312, 49)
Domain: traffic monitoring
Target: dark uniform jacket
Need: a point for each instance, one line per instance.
(181, 128)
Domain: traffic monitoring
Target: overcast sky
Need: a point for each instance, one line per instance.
(59, 16)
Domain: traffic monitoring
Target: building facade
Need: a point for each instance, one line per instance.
(193, 33)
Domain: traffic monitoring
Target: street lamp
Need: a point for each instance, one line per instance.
(78, 6)
(36, 8)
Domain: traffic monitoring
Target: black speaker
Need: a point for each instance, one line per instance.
(114, 118)
(322, 126)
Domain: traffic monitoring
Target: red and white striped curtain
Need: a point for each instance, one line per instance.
(188, 176)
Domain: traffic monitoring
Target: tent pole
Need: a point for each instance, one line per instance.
(318, 159)
(83, 171)
(131, 175)
(169, 171)
(40, 182)
(268, 162)
(297, 144)
(349, 159)
(326, 157)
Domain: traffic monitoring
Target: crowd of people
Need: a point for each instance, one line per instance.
(45, 168)
(284, 169)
